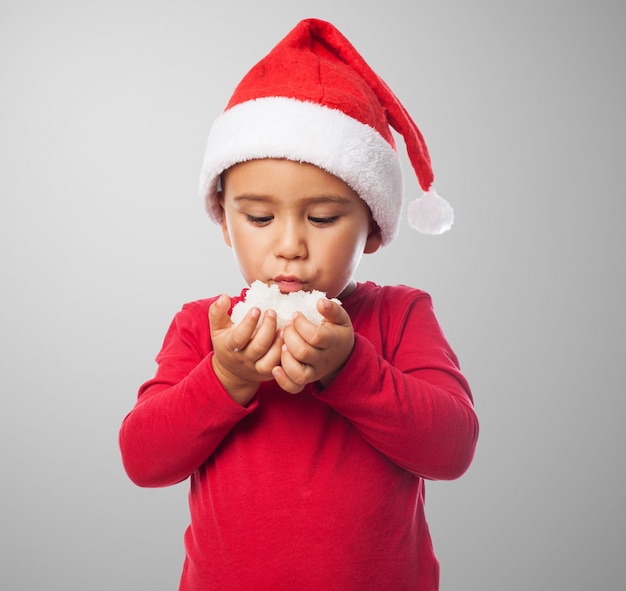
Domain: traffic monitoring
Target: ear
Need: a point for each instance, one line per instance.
(225, 232)
(374, 239)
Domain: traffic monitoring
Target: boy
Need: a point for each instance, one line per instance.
(308, 446)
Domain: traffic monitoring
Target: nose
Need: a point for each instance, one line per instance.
(290, 240)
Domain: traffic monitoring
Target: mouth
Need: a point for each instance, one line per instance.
(289, 284)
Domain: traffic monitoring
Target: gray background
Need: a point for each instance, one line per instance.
(104, 112)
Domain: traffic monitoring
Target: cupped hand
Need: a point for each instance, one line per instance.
(312, 353)
(245, 355)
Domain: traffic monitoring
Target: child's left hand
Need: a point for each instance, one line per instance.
(313, 353)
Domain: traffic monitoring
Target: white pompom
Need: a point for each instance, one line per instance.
(268, 297)
(431, 214)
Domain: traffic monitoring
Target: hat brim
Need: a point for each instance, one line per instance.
(278, 127)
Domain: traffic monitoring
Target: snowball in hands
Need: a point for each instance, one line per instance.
(268, 297)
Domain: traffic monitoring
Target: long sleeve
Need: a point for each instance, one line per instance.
(183, 413)
(346, 463)
(402, 387)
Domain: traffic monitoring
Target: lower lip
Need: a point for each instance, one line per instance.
(289, 286)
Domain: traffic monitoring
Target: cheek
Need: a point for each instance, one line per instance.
(347, 251)
(240, 241)
(249, 246)
(354, 244)
(226, 234)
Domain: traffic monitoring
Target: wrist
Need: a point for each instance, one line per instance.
(240, 390)
(329, 378)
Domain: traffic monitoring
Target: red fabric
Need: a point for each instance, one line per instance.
(320, 490)
(315, 62)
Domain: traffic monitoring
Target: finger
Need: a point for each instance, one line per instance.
(333, 312)
(299, 373)
(218, 313)
(271, 358)
(241, 334)
(282, 379)
(267, 328)
(264, 336)
(300, 336)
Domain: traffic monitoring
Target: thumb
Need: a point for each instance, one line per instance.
(219, 318)
(333, 312)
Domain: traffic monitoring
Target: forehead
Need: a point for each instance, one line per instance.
(275, 177)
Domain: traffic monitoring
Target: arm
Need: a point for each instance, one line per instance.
(406, 394)
(184, 412)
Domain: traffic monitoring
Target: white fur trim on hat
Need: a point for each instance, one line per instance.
(278, 127)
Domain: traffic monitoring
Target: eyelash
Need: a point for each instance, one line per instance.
(259, 221)
(323, 221)
(264, 220)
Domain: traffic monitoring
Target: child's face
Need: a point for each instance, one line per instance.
(295, 225)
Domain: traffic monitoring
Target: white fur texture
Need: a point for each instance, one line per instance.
(278, 127)
(431, 214)
(268, 297)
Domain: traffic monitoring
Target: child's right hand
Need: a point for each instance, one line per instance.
(245, 355)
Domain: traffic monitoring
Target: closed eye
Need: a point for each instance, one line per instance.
(323, 221)
(259, 220)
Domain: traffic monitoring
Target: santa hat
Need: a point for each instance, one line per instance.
(314, 99)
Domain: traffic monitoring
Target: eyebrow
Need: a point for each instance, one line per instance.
(339, 199)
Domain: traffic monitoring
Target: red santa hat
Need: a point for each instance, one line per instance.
(314, 99)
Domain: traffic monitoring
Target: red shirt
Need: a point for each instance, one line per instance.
(319, 490)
